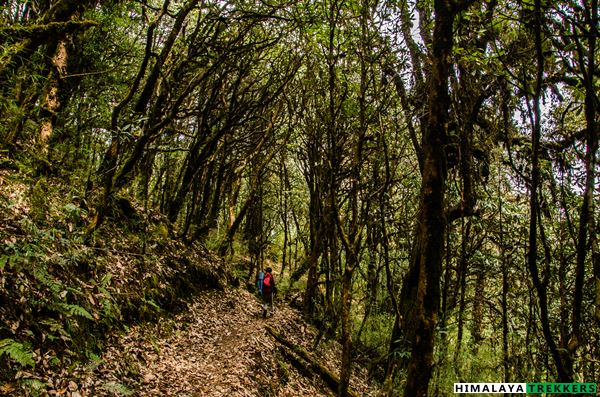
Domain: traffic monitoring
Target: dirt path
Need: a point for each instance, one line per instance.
(218, 347)
(216, 355)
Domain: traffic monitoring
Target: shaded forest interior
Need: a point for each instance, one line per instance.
(421, 172)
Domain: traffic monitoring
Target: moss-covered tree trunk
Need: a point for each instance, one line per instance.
(587, 224)
(51, 101)
(427, 260)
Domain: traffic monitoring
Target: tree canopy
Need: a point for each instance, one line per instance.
(422, 171)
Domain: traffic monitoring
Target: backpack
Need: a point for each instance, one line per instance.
(267, 283)
(259, 284)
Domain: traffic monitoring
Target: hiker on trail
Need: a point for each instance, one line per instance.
(259, 281)
(267, 291)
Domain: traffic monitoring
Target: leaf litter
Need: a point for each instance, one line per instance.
(217, 347)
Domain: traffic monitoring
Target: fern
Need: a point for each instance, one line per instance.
(74, 310)
(55, 327)
(152, 304)
(17, 352)
(34, 385)
(105, 280)
(41, 274)
(117, 388)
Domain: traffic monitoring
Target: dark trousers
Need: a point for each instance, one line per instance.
(267, 302)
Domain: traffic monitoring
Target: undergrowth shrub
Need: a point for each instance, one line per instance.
(62, 293)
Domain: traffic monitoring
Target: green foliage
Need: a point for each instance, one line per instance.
(73, 310)
(18, 352)
(151, 306)
(376, 333)
(312, 84)
(283, 370)
(118, 388)
(34, 387)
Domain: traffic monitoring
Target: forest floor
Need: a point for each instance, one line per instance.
(204, 338)
(218, 347)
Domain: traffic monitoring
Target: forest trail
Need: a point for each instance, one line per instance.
(214, 354)
(218, 347)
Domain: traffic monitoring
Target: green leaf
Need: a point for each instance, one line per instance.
(118, 388)
(34, 384)
(105, 280)
(75, 310)
(70, 207)
(17, 352)
(153, 304)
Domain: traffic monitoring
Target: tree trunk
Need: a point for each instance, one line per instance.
(478, 310)
(346, 300)
(462, 285)
(564, 371)
(51, 97)
(586, 213)
(427, 263)
(504, 299)
(330, 379)
(59, 17)
(315, 214)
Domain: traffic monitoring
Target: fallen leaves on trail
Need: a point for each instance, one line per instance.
(218, 347)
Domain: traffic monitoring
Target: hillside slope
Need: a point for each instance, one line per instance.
(218, 347)
(130, 310)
